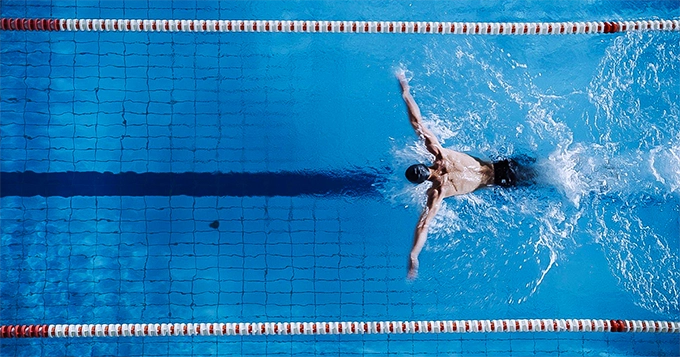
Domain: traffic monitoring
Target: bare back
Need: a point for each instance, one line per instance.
(456, 173)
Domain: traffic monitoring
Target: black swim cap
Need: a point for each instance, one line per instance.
(417, 173)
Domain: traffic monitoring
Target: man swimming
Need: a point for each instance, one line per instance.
(452, 173)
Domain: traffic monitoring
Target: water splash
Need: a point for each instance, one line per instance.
(664, 164)
(606, 186)
(515, 233)
(636, 97)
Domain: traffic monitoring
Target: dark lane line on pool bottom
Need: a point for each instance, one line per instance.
(197, 184)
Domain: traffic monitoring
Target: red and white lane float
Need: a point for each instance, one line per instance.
(421, 27)
(337, 328)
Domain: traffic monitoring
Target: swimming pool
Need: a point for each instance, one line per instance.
(597, 239)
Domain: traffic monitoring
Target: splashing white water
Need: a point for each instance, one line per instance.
(480, 229)
(665, 166)
(636, 96)
(607, 188)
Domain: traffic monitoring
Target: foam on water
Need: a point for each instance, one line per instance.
(480, 230)
(606, 190)
(636, 98)
(664, 164)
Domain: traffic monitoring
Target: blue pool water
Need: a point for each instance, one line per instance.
(108, 141)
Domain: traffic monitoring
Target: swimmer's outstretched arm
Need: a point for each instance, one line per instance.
(416, 118)
(434, 200)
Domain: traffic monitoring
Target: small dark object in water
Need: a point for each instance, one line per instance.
(215, 224)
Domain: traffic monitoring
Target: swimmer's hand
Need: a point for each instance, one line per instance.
(412, 268)
(401, 76)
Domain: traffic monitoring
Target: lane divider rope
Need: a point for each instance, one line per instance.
(432, 27)
(335, 328)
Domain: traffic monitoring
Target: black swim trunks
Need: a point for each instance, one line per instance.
(504, 174)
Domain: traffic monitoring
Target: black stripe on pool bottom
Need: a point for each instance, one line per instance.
(239, 184)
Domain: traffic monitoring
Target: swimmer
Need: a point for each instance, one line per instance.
(452, 173)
